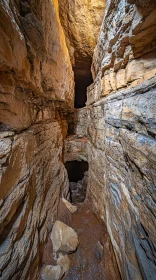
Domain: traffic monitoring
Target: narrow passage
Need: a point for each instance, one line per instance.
(78, 180)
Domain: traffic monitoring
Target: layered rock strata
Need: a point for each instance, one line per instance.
(36, 91)
(115, 133)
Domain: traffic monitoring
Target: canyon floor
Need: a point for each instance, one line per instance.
(94, 257)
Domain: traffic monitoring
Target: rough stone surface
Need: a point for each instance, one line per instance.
(125, 53)
(57, 272)
(64, 238)
(120, 151)
(81, 21)
(50, 272)
(64, 262)
(36, 90)
(116, 131)
(70, 207)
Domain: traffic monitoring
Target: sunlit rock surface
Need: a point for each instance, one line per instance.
(81, 21)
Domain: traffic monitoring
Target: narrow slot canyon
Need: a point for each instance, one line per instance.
(82, 81)
(77, 140)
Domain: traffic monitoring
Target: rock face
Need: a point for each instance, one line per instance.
(36, 90)
(115, 133)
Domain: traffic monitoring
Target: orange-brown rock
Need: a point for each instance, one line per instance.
(81, 21)
(115, 133)
(36, 88)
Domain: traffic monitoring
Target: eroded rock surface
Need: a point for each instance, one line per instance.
(81, 21)
(57, 272)
(36, 90)
(116, 131)
(64, 262)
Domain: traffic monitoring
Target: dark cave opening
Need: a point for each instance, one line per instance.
(78, 179)
(81, 84)
(83, 79)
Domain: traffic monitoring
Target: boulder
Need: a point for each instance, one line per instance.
(64, 262)
(64, 238)
(69, 206)
(50, 272)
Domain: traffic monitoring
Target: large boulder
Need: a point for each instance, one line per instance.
(64, 238)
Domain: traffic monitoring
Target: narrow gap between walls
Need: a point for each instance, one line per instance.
(78, 179)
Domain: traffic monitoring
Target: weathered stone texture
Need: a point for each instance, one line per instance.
(115, 132)
(36, 87)
(32, 178)
(33, 55)
(81, 21)
(121, 179)
(125, 53)
(119, 123)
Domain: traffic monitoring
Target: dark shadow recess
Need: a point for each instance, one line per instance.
(78, 179)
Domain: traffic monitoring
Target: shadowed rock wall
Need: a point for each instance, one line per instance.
(36, 91)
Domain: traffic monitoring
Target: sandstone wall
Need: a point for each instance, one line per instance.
(115, 133)
(36, 91)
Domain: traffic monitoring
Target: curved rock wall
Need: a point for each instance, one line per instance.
(36, 91)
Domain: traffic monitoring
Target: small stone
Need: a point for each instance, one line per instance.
(50, 272)
(69, 206)
(64, 263)
(64, 238)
